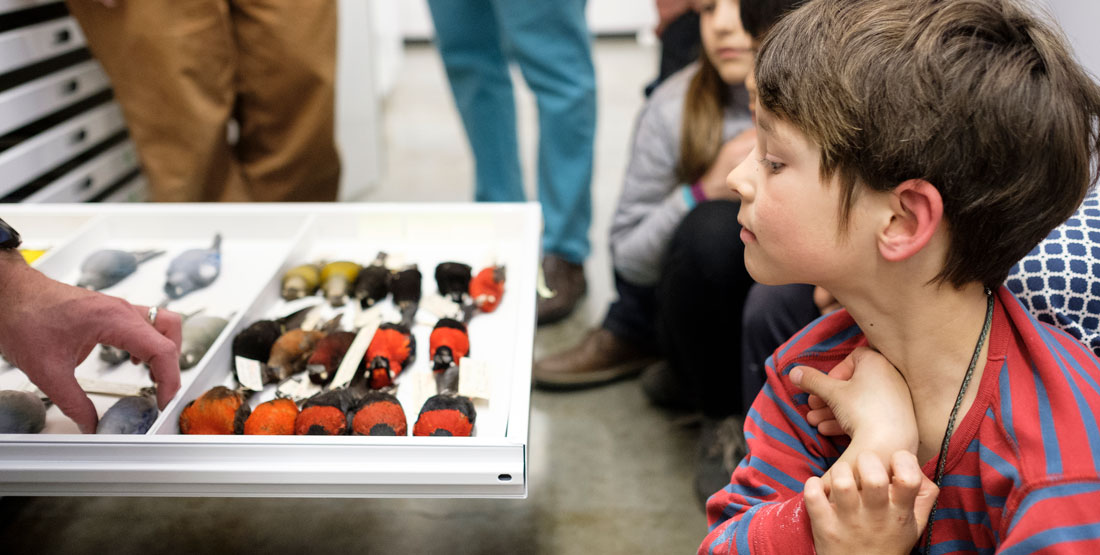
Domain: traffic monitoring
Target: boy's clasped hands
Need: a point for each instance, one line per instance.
(875, 498)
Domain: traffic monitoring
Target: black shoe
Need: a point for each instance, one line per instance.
(721, 448)
(664, 388)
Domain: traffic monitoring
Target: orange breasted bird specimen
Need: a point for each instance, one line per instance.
(218, 411)
(273, 418)
(447, 344)
(379, 414)
(325, 414)
(290, 353)
(328, 355)
(373, 283)
(301, 281)
(453, 280)
(487, 288)
(446, 415)
(337, 279)
(391, 349)
(405, 287)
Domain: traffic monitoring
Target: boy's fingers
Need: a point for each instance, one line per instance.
(874, 483)
(813, 381)
(830, 428)
(816, 402)
(843, 489)
(817, 503)
(906, 478)
(922, 505)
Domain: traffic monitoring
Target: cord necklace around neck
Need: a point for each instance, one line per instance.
(941, 461)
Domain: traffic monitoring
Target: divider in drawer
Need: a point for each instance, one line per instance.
(28, 159)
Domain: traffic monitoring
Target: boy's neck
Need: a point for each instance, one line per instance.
(928, 332)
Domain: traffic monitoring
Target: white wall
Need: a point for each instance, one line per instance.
(1079, 19)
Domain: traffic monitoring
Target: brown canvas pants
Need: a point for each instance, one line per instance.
(181, 69)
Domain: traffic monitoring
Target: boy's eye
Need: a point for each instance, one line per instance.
(773, 167)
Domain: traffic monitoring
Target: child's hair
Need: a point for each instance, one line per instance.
(701, 126)
(978, 97)
(758, 16)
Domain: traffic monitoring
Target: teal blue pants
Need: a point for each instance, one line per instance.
(549, 40)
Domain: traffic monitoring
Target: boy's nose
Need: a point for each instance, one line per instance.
(740, 179)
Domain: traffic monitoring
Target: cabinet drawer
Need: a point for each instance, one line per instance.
(35, 156)
(135, 190)
(35, 43)
(91, 177)
(28, 102)
(7, 6)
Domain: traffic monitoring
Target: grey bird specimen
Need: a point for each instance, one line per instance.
(21, 413)
(194, 269)
(105, 268)
(199, 333)
(130, 415)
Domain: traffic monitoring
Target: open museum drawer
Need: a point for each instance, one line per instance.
(260, 242)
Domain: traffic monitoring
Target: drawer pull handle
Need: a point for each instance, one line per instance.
(86, 183)
(70, 87)
(62, 36)
(80, 135)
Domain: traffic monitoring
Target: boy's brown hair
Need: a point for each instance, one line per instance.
(978, 97)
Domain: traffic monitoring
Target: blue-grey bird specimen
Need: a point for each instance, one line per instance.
(113, 355)
(105, 268)
(194, 269)
(129, 415)
(21, 413)
(199, 333)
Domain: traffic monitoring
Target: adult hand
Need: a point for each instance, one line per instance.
(869, 400)
(47, 328)
(883, 512)
(732, 153)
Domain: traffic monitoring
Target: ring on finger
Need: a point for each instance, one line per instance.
(152, 315)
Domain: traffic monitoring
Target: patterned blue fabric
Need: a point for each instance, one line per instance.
(1059, 280)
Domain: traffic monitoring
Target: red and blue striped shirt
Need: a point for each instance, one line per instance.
(1023, 466)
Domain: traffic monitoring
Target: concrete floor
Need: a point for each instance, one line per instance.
(608, 472)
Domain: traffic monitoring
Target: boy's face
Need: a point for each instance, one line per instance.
(790, 217)
(725, 42)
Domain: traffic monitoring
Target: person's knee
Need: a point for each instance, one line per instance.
(708, 239)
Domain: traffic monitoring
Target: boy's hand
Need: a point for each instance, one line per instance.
(882, 513)
(867, 399)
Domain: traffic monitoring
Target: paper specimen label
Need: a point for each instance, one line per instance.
(474, 378)
(249, 373)
(355, 353)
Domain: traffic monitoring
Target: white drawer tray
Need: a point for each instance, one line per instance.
(259, 242)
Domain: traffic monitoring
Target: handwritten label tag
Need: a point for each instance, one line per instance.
(441, 307)
(313, 318)
(371, 317)
(249, 373)
(475, 378)
(297, 389)
(355, 353)
(421, 385)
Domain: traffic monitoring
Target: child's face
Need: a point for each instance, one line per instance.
(725, 42)
(790, 217)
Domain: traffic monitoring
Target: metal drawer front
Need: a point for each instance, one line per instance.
(134, 191)
(26, 103)
(35, 43)
(31, 158)
(90, 178)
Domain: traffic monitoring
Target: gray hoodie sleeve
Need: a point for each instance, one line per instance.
(651, 203)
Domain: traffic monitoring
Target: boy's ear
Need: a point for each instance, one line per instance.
(916, 211)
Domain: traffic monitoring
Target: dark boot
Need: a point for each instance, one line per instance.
(721, 448)
(598, 359)
(566, 284)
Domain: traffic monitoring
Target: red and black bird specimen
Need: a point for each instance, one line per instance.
(378, 414)
(446, 415)
(218, 411)
(447, 344)
(391, 349)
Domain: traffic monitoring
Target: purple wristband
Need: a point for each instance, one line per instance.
(697, 192)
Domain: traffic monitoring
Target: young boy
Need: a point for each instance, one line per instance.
(909, 152)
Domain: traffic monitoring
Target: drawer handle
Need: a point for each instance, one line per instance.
(86, 183)
(62, 36)
(70, 87)
(80, 135)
